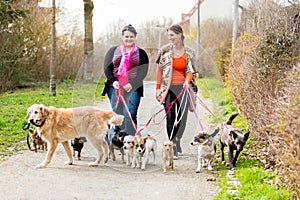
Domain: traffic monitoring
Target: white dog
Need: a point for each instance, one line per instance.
(128, 148)
(150, 146)
(138, 151)
(206, 149)
(143, 146)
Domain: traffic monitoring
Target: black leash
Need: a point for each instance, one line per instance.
(28, 142)
(26, 125)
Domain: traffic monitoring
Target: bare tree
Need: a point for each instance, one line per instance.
(88, 40)
(53, 51)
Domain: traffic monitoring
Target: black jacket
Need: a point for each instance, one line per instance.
(136, 82)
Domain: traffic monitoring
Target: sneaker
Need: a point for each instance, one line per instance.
(175, 158)
(180, 153)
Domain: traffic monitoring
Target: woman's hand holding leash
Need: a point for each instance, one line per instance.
(116, 85)
(127, 87)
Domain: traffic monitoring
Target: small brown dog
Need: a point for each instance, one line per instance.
(168, 155)
(35, 141)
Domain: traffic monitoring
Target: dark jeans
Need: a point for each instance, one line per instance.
(132, 100)
(176, 113)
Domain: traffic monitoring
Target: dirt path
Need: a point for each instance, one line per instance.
(19, 179)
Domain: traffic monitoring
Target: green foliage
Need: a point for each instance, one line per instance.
(13, 108)
(222, 104)
(255, 183)
(8, 13)
(222, 56)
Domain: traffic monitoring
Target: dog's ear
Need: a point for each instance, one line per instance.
(246, 136)
(44, 111)
(27, 115)
(108, 114)
(233, 134)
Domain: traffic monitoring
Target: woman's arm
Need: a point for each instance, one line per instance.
(142, 69)
(109, 66)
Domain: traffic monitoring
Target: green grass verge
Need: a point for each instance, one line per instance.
(250, 173)
(14, 104)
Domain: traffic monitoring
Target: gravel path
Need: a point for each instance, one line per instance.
(19, 179)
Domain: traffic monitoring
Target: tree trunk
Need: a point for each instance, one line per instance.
(88, 40)
(53, 52)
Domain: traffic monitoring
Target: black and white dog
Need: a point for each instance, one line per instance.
(234, 139)
(206, 149)
(77, 145)
(115, 139)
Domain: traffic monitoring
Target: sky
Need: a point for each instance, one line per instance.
(135, 11)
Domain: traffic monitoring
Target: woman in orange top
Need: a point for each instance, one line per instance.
(176, 68)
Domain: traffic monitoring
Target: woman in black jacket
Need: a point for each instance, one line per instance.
(125, 67)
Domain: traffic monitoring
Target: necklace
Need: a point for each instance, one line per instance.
(177, 53)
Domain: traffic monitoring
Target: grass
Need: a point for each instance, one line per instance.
(255, 181)
(14, 104)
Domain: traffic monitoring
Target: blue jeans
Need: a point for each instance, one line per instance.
(132, 100)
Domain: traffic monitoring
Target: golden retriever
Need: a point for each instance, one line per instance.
(58, 125)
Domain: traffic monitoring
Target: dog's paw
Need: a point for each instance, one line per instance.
(106, 160)
(68, 162)
(39, 166)
(93, 164)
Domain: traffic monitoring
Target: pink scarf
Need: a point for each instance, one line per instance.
(125, 64)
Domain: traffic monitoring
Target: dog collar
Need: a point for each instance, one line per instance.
(36, 125)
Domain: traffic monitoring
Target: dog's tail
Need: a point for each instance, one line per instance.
(214, 133)
(231, 118)
(114, 119)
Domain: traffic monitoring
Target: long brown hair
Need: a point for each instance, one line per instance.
(176, 28)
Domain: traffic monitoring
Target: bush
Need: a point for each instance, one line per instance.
(264, 81)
